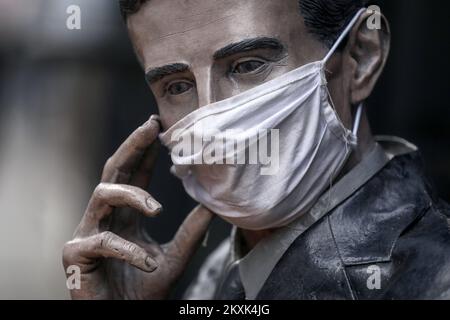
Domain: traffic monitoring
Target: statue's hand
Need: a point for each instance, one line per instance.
(115, 257)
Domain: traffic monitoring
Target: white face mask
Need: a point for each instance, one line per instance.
(314, 147)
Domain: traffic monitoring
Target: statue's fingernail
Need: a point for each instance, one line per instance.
(155, 117)
(151, 264)
(154, 205)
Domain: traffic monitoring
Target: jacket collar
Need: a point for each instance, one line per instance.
(367, 226)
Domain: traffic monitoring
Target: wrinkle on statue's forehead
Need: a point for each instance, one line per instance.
(169, 15)
(195, 27)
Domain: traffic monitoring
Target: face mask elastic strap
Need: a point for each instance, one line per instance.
(358, 114)
(357, 119)
(343, 35)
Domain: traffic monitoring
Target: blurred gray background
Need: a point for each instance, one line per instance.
(68, 98)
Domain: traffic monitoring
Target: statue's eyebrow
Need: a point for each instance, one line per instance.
(155, 74)
(249, 45)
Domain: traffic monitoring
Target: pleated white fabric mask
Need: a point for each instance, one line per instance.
(313, 147)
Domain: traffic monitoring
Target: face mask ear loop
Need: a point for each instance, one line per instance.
(357, 120)
(331, 52)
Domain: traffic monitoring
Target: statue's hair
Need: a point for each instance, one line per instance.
(324, 18)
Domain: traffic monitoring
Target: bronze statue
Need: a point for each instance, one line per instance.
(377, 232)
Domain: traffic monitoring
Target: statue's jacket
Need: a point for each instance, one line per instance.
(382, 234)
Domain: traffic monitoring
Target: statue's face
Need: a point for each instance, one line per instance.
(196, 52)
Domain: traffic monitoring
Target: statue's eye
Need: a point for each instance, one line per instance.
(179, 87)
(248, 66)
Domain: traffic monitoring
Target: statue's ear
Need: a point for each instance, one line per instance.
(368, 47)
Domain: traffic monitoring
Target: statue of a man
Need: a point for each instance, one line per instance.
(343, 215)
